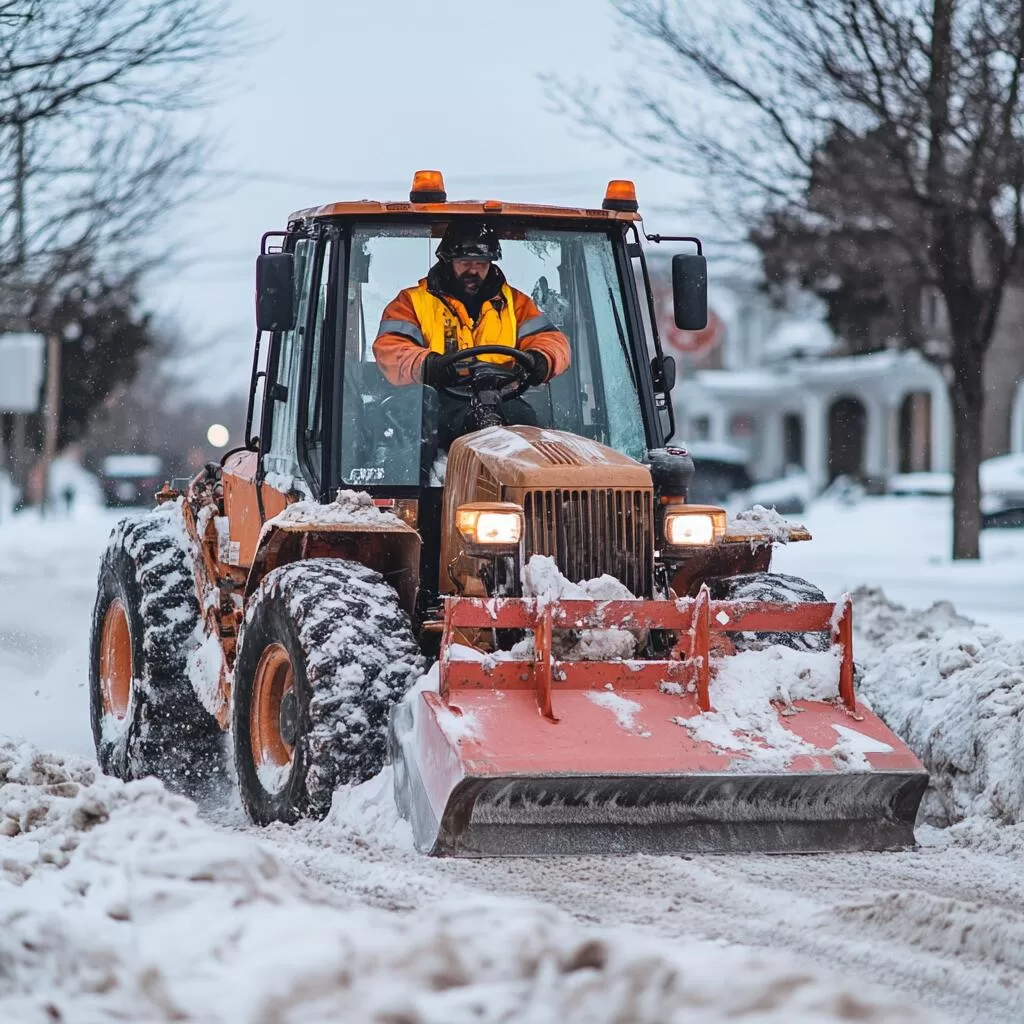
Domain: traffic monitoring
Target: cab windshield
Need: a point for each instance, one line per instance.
(571, 276)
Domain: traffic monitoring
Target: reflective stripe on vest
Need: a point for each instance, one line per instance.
(445, 331)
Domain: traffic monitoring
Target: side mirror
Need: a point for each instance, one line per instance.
(690, 291)
(663, 373)
(275, 291)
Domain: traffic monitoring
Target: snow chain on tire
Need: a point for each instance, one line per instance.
(776, 588)
(166, 731)
(352, 656)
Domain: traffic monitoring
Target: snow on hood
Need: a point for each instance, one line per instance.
(954, 691)
(127, 906)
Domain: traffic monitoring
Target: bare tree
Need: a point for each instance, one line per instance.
(91, 155)
(92, 158)
(893, 127)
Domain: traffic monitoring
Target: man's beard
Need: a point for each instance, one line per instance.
(470, 283)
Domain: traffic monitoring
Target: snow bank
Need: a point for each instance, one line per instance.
(127, 906)
(954, 691)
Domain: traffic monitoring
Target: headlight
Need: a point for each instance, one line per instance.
(684, 529)
(490, 525)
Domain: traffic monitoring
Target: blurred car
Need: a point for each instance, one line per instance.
(131, 479)
(721, 477)
(1002, 489)
(720, 470)
(1002, 492)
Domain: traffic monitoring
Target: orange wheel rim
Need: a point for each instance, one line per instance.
(116, 660)
(274, 681)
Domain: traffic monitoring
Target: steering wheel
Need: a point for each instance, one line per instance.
(508, 381)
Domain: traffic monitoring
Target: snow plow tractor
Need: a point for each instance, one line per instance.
(496, 582)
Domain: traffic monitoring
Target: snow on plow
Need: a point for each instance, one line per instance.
(701, 750)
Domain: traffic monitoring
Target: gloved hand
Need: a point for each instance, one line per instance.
(435, 375)
(540, 368)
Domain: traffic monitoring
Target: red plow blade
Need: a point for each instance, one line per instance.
(541, 756)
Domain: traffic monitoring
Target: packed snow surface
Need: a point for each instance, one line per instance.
(105, 884)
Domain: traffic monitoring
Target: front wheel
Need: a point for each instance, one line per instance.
(147, 626)
(324, 653)
(776, 588)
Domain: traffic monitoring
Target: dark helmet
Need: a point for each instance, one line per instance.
(469, 240)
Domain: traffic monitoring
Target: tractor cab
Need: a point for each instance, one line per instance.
(332, 420)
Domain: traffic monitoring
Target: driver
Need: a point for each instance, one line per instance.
(464, 301)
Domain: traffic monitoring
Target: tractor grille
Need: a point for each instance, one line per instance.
(590, 532)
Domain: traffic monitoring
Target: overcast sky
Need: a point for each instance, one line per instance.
(344, 99)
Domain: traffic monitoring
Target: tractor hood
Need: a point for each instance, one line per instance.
(535, 457)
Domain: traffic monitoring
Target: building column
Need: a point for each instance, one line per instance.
(815, 441)
(942, 430)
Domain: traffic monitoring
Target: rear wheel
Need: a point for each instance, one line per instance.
(324, 653)
(776, 588)
(146, 717)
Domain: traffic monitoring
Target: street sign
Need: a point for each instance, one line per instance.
(692, 342)
(22, 358)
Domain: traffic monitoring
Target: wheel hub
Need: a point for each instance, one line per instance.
(274, 713)
(289, 723)
(116, 661)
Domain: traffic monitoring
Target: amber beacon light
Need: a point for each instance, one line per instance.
(428, 187)
(620, 195)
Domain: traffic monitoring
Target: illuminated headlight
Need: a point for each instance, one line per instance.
(689, 528)
(491, 525)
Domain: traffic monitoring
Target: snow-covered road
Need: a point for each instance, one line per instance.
(155, 915)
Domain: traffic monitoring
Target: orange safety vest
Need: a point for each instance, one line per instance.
(447, 330)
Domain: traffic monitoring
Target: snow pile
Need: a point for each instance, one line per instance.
(145, 912)
(760, 522)
(349, 508)
(954, 691)
(745, 719)
(624, 709)
(543, 581)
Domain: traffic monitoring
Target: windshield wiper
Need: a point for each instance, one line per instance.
(622, 338)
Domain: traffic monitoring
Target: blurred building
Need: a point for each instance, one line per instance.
(775, 382)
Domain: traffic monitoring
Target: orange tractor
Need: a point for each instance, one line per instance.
(557, 652)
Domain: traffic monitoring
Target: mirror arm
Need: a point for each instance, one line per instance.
(252, 443)
(676, 238)
(653, 314)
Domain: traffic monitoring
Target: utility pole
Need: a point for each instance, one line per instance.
(16, 451)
